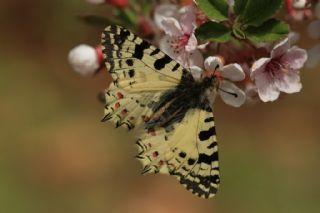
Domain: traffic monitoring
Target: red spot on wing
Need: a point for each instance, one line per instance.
(161, 163)
(155, 154)
(152, 132)
(117, 105)
(145, 118)
(120, 95)
(124, 111)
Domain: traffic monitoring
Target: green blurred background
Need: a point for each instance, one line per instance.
(56, 156)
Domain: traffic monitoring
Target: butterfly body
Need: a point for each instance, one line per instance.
(154, 93)
(174, 104)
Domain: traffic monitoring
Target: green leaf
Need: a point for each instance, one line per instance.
(147, 7)
(240, 6)
(255, 12)
(239, 33)
(127, 16)
(270, 30)
(215, 9)
(237, 30)
(212, 31)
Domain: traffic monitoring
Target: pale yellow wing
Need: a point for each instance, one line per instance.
(189, 151)
(142, 74)
(135, 64)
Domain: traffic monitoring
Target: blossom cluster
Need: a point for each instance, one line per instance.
(251, 53)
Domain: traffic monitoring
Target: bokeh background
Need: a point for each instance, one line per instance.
(56, 156)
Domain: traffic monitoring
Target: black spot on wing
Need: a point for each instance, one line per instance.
(182, 154)
(129, 62)
(191, 161)
(208, 159)
(204, 181)
(139, 49)
(122, 37)
(131, 73)
(155, 52)
(212, 145)
(176, 67)
(207, 120)
(206, 134)
(161, 62)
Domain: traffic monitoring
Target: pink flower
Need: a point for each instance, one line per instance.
(180, 42)
(280, 73)
(227, 90)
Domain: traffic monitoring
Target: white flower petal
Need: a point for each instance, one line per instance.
(259, 66)
(267, 90)
(313, 57)
(186, 59)
(233, 72)
(195, 58)
(164, 10)
(212, 63)
(280, 48)
(196, 72)
(203, 46)
(164, 45)
(171, 27)
(192, 43)
(188, 19)
(84, 60)
(231, 94)
(314, 29)
(290, 82)
(295, 57)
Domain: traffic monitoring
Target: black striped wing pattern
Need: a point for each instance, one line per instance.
(141, 75)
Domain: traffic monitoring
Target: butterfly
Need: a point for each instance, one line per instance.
(153, 93)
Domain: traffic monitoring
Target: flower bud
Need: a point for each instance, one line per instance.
(119, 3)
(85, 60)
(299, 4)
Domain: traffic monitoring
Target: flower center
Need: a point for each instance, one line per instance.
(180, 42)
(276, 68)
(183, 40)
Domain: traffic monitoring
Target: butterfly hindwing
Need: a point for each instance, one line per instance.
(189, 152)
(128, 109)
(143, 75)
